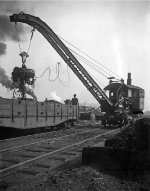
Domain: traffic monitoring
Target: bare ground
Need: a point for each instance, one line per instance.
(85, 178)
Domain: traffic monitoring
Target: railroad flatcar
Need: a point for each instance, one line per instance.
(28, 113)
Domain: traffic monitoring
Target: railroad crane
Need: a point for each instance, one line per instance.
(117, 104)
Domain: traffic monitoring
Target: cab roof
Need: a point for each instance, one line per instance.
(114, 86)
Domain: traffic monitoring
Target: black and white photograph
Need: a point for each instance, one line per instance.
(74, 95)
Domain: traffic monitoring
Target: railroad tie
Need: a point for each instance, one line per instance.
(42, 165)
(3, 167)
(27, 171)
(28, 156)
(49, 148)
(33, 150)
(67, 153)
(10, 160)
(76, 150)
(58, 158)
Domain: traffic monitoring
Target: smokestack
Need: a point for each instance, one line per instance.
(129, 80)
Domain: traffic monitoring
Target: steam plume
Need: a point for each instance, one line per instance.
(8, 32)
(55, 96)
(31, 93)
(117, 48)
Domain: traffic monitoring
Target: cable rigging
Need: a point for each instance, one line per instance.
(67, 75)
(17, 36)
(23, 78)
(80, 57)
(88, 63)
(58, 66)
(32, 33)
(89, 57)
(24, 55)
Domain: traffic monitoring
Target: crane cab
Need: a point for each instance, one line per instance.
(128, 96)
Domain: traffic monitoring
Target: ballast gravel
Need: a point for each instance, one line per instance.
(85, 178)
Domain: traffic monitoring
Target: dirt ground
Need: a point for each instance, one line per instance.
(85, 178)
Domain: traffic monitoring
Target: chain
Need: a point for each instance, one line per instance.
(32, 31)
(17, 36)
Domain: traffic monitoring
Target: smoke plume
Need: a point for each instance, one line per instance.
(31, 93)
(8, 32)
(3, 47)
(4, 80)
(10, 7)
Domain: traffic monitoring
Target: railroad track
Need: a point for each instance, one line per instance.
(12, 143)
(4, 143)
(7, 146)
(27, 161)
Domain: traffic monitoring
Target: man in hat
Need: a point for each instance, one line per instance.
(74, 100)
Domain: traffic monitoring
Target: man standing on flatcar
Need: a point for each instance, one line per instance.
(74, 100)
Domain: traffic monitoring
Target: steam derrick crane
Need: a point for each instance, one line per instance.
(106, 104)
(64, 52)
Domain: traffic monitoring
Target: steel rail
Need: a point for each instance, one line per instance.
(42, 141)
(27, 136)
(24, 137)
(10, 169)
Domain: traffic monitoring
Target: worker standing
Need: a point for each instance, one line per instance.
(74, 100)
(75, 103)
(92, 116)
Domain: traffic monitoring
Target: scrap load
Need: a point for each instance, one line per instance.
(135, 143)
(134, 137)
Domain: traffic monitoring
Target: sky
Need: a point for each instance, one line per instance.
(115, 33)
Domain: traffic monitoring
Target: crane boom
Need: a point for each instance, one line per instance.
(64, 52)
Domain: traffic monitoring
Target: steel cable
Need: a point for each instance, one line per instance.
(90, 57)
